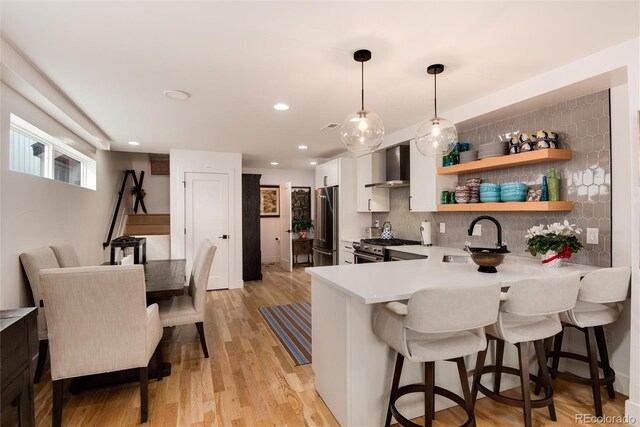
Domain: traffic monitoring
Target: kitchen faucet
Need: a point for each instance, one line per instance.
(500, 245)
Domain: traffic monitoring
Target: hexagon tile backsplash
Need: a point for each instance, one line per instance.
(583, 124)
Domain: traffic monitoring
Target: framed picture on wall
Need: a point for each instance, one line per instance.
(269, 201)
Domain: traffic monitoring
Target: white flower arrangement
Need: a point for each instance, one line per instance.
(557, 237)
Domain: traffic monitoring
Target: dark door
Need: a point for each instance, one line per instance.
(251, 255)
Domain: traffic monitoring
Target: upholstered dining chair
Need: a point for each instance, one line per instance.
(32, 263)
(189, 308)
(66, 255)
(99, 322)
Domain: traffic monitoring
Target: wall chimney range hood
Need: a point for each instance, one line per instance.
(397, 168)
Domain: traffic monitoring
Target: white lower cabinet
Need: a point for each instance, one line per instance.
(425, 183)
(345, 252)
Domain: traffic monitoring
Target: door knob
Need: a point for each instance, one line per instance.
(224, 236)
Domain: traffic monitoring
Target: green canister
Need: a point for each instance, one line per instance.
(553, 183)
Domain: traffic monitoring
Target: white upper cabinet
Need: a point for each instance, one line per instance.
(328, 174)
(425, 184)
(371, 169)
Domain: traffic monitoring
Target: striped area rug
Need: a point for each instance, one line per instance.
(292, 325)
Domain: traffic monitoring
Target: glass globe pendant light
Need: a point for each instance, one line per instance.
(434, 136)
(362, 132)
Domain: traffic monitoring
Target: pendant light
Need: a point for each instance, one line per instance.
(434, 136)
(362, 132)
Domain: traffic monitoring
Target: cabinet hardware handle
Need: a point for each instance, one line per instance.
(325, 181)
(348, 262)
(369, 204)
(410, 202)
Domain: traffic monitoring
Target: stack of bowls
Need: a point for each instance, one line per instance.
(513, 192)
(489, 193)
(462, 194)
(493, 149)
(468, 156)
(474, 189)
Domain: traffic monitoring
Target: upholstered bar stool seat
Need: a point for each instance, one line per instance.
(436, 325)
(529, 312)
(599, 304)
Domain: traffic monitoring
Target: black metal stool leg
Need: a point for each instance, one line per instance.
(394, 386)
(557, 347)
(477, 374)
(543, 375)
(429, 375)
(592, 354)
(499, 357)
(523, 356)
(464, 383)
(604, 358)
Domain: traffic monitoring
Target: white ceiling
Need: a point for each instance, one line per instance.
(237, 59)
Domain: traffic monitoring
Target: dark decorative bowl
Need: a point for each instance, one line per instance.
(487, 259)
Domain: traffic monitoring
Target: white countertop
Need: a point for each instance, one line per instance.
(394, 281)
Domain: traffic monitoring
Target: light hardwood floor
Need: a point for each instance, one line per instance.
(250, 380)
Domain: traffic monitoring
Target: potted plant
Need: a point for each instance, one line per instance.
(301, 225)
(554, 242)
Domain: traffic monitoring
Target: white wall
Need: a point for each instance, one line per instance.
(156, 187)
(270, 227)
(37, 212)
(183, 161)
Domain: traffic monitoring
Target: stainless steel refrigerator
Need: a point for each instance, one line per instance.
(325, 242)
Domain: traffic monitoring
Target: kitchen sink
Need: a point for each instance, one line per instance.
(456, 259)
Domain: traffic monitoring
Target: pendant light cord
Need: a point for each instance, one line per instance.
(435, 95)
(362, 84)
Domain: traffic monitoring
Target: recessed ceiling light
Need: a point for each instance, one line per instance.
(178, 95)
(313, 163)
(134, 143)
(274, 163)
(302, 147)
(281, 107)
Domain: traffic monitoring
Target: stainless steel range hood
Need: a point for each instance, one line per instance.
(397, 168)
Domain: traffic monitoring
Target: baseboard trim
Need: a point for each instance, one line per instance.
(632, 412)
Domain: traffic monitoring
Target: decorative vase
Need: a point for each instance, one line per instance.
(551, 259)
(303, 234)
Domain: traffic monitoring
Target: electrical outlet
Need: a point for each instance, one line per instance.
(592, 236)
(477, 230)
(442, 227)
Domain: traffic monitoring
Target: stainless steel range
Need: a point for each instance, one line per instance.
(375, 250)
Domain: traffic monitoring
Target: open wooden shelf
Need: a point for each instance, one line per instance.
(508, 207)
(500, 162)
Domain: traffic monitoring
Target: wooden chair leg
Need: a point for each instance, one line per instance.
(394, 386)
(477, 374)
(499, 357)
(429, 375)
(203, 340)
(464, 383)
(144, 394)
(43, 349)
(523, 356)
(57, 403)
(557, 347)
(592, 354)
(604, 358)
(158, 361)
(543, 374)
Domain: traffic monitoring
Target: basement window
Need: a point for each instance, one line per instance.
(35, 152)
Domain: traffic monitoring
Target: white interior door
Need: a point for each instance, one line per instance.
(207, 217)
(286, 257)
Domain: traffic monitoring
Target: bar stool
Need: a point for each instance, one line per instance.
(598, 304)
(528, 313)
(436, 324)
